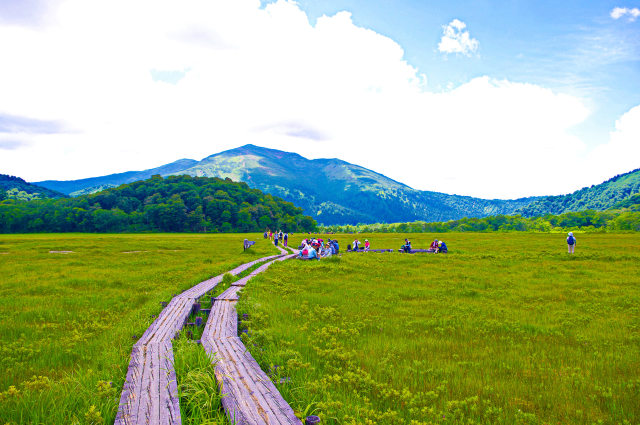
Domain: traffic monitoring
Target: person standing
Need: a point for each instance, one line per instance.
(285, 239)
(275, 239)
(571, 243)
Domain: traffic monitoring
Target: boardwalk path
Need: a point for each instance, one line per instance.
(150, 393)
(250, 398)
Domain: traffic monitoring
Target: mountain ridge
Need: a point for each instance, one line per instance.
(330, 190)
(15, 187)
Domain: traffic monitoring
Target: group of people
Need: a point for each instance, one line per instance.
(311, 249)
(438, 247)
(318, 248)
(276, 237)
(355, 245)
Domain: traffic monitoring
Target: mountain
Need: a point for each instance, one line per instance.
(333, 191)
(609, 194)
(330, 190)
(15, 187)
(337, 192)
(95, 184)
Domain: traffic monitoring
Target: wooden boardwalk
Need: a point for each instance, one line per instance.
(150, 392)
(249, 396)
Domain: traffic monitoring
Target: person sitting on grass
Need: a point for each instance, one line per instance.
(433, 247)
(313, 254)
(366, 245)
(442, 247)
(307, 252)
(407, 246)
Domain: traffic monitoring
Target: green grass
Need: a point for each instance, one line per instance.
(197, 387)
(506, 329)
(67, 321)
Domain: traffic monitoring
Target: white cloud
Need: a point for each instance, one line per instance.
(621, 153)
(619, 12)
(267, 76)
(455, 39)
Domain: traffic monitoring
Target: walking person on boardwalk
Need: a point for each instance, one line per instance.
(275, 239)
(285, 239)
(571, 243)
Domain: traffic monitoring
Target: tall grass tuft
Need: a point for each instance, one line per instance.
(199, 394)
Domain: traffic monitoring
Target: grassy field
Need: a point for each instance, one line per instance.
(68, 320)
(506, 329)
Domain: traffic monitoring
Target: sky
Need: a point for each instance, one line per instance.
(478, 97)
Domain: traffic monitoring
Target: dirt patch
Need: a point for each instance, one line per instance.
(132, 252)
(4, 253)
(60, 252)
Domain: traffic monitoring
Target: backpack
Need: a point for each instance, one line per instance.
(571, 240)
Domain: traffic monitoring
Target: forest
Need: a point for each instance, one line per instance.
(624, 216)
(172, 204)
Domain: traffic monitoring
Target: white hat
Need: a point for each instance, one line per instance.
(570, 233)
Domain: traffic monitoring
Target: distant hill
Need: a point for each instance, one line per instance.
(606, 195)
(330, 190)
(15, 187)
(333, 191)
(92, 189)
(172, 204)
(94, 184)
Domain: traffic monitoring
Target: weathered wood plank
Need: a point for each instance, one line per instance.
(150, 393)
(250, 398)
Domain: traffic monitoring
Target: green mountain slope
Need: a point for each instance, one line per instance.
(337, 192)
(16, 188)
(330, 190)
(597, 197)
(94, 184)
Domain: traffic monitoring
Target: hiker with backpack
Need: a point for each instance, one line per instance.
(286, 239)
(571, 243)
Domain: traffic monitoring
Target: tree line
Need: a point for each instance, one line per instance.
(626, 217)
(172, 204)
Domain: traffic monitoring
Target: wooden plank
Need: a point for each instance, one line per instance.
(250, 398)
(150, 393)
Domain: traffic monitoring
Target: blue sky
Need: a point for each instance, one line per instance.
(481, 98)
(571, 46)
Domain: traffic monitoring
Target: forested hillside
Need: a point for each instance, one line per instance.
(597, 197)
(624, 217)
(330, 190)
(13, 187)
(174, 204)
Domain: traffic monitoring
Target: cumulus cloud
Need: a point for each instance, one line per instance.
(619, 12)
(620, 154)
(145, 83)
(455, 39)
